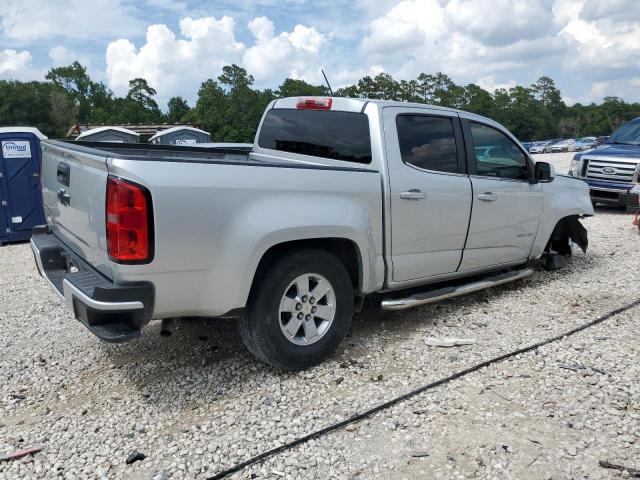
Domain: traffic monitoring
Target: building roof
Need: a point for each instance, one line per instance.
(33, 130)
(142, 129)
(177, 129)
(104, 129)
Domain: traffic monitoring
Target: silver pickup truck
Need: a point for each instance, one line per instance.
(338, 199)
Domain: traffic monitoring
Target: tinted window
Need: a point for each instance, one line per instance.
(427, 142)
(337, 135)
(496, 154)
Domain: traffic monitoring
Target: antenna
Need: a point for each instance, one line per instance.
(326, 80)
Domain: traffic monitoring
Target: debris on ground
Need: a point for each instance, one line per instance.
(20, 453)
(633, 472)
(135, 456)
(448, 341)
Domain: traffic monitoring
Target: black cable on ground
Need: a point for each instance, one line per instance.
(417, 391)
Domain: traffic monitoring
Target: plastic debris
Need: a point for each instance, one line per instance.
(20, 453)
(448, 341)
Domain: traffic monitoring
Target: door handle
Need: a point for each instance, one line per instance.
(488, 197)
(413, 194)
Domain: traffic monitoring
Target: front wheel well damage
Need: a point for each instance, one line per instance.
(567, 229)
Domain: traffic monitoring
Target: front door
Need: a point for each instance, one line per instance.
(430, 192)
(507, 208)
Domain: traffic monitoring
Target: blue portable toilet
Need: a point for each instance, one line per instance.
(20, 196)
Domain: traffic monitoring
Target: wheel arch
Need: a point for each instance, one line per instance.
(346, 250)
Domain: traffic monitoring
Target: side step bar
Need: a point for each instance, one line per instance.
(449, 292)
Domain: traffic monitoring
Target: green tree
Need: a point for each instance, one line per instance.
(446, 92)
(74, 80)
(350, 91)
(298, 88)
(64, 112)
(478, 100)
(178, 110)
(94, 100)
(138, 106)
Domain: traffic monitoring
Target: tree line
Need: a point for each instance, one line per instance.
(230, 107)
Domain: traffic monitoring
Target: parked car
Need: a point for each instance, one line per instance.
(338, 200)
(612, 169)
(586, 143)
(528, 145)
(568, 145)
(540, 147)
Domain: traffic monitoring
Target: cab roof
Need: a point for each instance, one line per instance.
(355, 104)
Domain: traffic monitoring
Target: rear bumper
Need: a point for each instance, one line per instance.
(114, 313)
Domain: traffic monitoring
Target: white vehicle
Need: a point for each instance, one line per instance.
(568, 145)
(539, 147)
(338, 200)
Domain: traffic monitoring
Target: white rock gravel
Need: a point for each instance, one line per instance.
(197, 402)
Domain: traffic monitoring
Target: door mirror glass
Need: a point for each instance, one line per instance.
(543, 172)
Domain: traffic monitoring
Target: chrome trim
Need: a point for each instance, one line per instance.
(612, 190)
(36, 254)
(70, 290)
(619, 160)
(416, 301)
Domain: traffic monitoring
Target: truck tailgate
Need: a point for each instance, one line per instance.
(74, 180)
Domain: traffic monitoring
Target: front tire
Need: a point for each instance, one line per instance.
(299, 310)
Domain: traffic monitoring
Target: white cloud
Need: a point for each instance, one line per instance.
(27, 21)
(498, 43)
(16, 65)
(13, 61)
(274, 57)
(409, 25)
(490, 84)
(590, 47)
(468, 39)
(175, 66)
(61, 55)
(499, 22)
(604, 37)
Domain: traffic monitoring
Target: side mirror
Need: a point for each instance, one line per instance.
(544, 172)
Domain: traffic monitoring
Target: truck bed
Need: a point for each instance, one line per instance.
(142, 151)
(215, 212)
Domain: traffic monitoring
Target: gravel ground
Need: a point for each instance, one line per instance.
(197, 402)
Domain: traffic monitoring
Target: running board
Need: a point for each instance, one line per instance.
(450, 292)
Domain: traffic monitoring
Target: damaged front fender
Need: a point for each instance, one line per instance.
(568, 229)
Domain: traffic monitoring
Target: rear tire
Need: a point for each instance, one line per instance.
(284, 325)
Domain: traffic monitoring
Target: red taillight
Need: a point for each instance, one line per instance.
(129, 233)
(314, 104)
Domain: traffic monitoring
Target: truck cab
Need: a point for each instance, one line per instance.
(611, 170)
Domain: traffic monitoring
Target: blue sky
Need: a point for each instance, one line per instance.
(589, 47)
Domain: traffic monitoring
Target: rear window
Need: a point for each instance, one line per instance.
(328, 134)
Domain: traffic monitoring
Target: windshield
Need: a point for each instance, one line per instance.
(628, 134)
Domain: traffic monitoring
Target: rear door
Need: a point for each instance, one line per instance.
(507, 208)
(19, 169)
(430, 192)
(74, 191)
